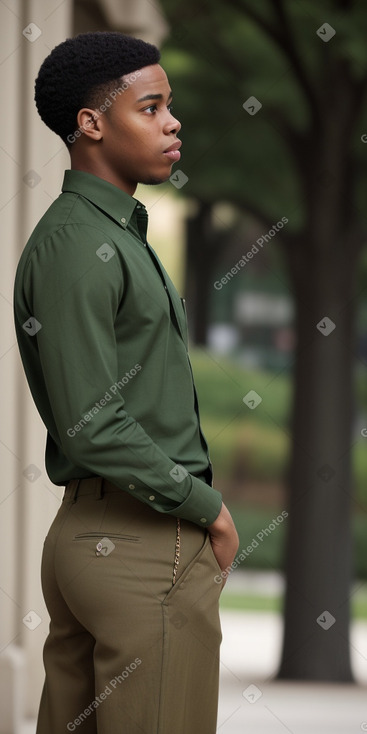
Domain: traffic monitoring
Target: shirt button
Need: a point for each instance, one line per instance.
(152, 497)
(203, 519)
(123, 220)
(131, 486)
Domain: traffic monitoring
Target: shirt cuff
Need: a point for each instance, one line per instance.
(202, 505)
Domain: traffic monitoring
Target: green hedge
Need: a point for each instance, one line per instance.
(256, 443)
(259, 438)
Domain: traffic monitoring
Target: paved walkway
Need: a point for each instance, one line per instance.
(250, 654)
(252, 641)
(292, 708)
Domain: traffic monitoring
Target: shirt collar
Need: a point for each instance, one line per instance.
(109, 198)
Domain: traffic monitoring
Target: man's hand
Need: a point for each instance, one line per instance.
(224, 539)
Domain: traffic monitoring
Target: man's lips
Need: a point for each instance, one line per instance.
(173, 152)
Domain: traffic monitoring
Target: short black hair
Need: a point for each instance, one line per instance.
(80, 71)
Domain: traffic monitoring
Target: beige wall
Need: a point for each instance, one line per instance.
(32, 161)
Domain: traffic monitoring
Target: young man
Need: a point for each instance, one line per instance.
(132, 561)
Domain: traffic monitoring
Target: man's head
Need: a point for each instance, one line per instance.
(81, 71)
(108, 98)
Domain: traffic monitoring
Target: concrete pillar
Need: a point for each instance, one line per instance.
(32, 161)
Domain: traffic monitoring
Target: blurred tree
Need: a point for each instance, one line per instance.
(301, 156)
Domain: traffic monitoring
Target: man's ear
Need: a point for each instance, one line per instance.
(89, 123)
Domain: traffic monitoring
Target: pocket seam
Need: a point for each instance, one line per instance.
(113, 536)
(186, 572)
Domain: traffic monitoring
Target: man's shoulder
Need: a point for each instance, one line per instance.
(69, 209)
(68, 220)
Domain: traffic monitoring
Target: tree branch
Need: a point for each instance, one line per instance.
(282, 37)
(214, 45)
(287, 42)
(257, 18)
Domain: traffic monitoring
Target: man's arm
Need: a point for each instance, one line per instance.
(75, 297)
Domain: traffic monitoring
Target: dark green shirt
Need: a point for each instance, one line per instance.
(103, 339)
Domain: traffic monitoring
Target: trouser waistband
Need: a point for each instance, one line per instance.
(89, 485)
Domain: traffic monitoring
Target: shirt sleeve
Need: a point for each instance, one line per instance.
(75, 286)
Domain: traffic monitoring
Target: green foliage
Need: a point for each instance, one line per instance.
(252, 523)
(222, 383)
(246, 602)
(250, 603)
(221, 142)
(269, 554)
(259, 439)
(219, 54)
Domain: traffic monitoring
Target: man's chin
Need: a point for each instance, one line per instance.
(154, 181)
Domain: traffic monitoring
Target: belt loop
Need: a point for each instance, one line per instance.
(99, 493)
(71, 490)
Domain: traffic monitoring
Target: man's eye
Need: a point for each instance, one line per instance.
(152, 107)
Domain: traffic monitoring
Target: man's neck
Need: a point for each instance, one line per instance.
(102, 171)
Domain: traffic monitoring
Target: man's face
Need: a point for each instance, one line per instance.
(137, 130)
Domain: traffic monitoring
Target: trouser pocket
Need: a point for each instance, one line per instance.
(202, 564)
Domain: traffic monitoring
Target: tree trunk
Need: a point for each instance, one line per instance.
(323, 268)
(199, 275)
(318, 556)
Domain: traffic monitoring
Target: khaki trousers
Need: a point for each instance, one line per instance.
(130, 651)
